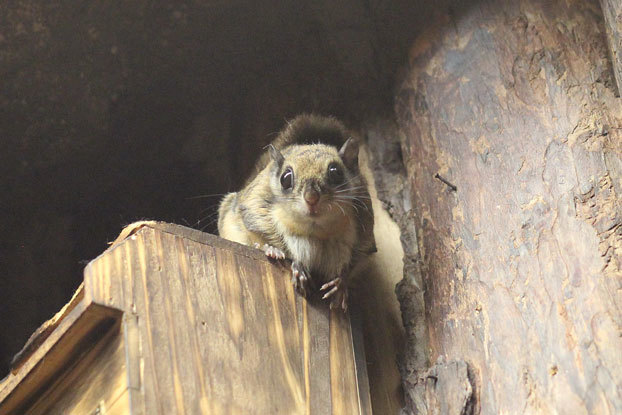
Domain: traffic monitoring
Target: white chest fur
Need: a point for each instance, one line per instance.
(327, 257)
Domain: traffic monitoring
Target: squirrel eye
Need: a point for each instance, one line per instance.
(335, 174)
(287, 179)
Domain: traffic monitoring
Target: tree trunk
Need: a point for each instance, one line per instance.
(510, 133)
(612, 13)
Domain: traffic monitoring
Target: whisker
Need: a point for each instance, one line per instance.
(212, 217)
(361, 195)
(353, 201)
(355, 208)
(351, 179)
(349, 189)
(352, 198)
(208, 224)
(342, 211)
(204, 196)
(215, 207)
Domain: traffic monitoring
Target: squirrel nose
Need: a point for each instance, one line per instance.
(311, 197)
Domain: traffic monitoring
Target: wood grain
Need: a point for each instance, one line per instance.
(96, 379)
(201, 325)
(81, 327)
(222, 330)
(122, 406)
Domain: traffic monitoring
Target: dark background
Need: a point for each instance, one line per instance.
(114, 112)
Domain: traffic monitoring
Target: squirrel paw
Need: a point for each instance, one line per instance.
(300, 279)
(271, 251)
(338, 290)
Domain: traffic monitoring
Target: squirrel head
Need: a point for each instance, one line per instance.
(316, 183)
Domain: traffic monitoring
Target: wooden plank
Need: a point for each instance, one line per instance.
(245, 340)
(200, 259)
(102, 288)
(317, 358)
(207, 329)
(181, 331)
(121, 406)
(221, 328)
(135, 274)
(116, 278)
(96, 379)
(133, 361)
(190, 306)
(342, 366)
(155, 330)
(281, 341)
(360, 363)
(187, 233)
(73, 334)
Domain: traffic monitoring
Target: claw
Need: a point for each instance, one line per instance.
(271, 251)
(339, 293)
(300, 279)
(331, 283)
(331, 292)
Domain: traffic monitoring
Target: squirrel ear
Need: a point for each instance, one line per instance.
(349, 153)
(276, 155)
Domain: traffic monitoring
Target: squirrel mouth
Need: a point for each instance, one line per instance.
(314, 211)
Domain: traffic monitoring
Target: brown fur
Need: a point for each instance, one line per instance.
(328, 244)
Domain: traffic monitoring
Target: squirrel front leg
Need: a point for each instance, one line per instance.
(336, 288)
(300, 276)
(301, 279)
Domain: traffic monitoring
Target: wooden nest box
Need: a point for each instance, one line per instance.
(170, 320)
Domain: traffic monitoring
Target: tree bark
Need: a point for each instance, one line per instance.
(612, 13)
(519, 266)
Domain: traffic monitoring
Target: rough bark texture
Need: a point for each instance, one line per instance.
(513, 102)
(612, 12)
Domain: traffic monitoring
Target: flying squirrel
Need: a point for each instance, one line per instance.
(308, 202)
